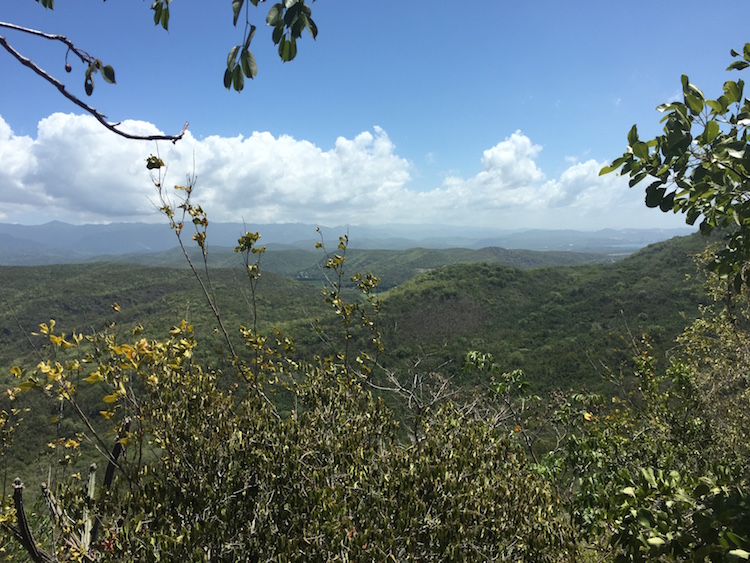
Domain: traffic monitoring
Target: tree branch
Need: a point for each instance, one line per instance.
(87, 59)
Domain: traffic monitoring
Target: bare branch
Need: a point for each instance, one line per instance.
(87, 59)
(83, 55)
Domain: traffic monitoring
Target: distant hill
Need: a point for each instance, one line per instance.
(62, 243)
(392, 266)
(562, 325)
(532, 309)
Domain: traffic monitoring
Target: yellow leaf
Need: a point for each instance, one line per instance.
(116, 307)
(106, 414)
(111, 398)
(15, 370)
(95, 377)
(588, 416)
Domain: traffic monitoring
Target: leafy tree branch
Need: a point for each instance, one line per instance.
(93, 66)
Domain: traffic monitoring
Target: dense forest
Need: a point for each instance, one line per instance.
(462, 361)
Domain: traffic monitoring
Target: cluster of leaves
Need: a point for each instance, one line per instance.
(288, 20)
(660, 471)
(700, 166)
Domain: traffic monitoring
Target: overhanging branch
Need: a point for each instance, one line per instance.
(86, 58)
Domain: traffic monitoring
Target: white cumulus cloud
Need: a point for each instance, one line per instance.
(77, 171)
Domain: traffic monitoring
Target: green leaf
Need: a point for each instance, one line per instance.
(288, 49)
(716, 106)
(228, 78)
(236, 7)
(640, 149)
(694, 102)
(88, 85)
(232, 56)
(736, 539)
(612, 167)
(648, 472)
(645, 518)
(249, 37)
(732, 91)
(633, 135)
(238, 80)
(667, 203)
(711, 132)
(738, 65)
(275, 15)
(165, 17)
(249, 67)
(311, 27)
(109, 74)
(156, 7)
(741, 553)
(277, 34)
(667, 107)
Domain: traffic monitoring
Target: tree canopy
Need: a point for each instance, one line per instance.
(700, 166)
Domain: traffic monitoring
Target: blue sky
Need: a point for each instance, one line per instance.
(486, 113)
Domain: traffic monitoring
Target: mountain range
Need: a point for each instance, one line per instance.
(57, 242)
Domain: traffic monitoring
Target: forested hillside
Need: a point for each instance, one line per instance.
(548, 320)
(562, 326)
(393, 267)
